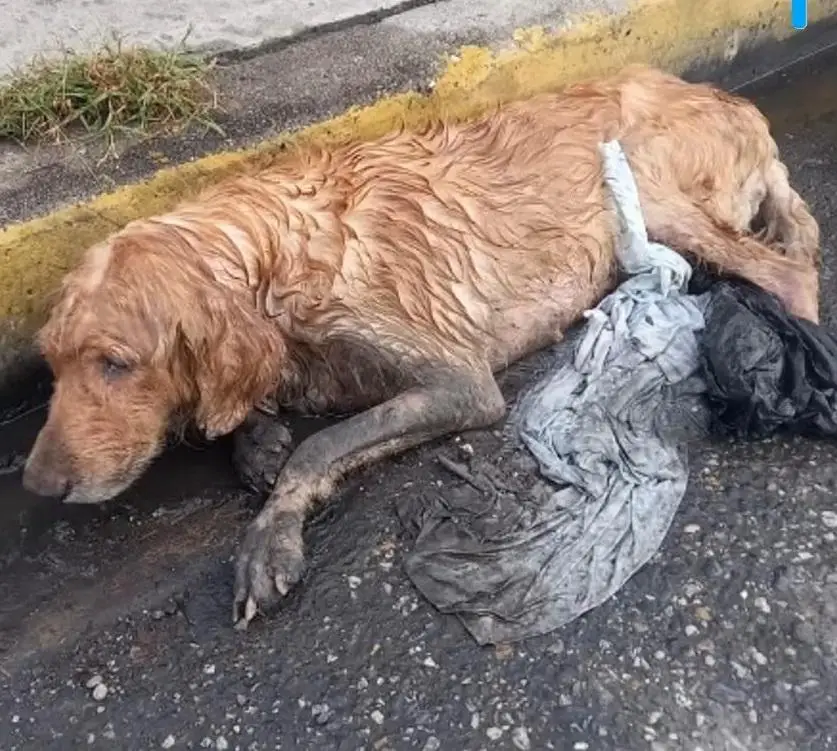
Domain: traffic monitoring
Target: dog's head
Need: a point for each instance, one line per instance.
(144, 334)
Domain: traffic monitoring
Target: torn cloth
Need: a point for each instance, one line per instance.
(600, 428)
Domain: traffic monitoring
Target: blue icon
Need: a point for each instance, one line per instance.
(799, 14)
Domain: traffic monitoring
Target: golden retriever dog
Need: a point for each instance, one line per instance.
(390, 281)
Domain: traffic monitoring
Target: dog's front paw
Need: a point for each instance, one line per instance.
(261, 447)
(270, 562)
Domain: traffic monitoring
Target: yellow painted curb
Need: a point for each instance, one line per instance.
(669, 33)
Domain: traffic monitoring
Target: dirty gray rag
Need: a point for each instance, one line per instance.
(603, 431)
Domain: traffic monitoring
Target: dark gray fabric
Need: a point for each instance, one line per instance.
(765, 369)
(604, 435)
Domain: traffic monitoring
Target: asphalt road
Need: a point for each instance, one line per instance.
(115, 622)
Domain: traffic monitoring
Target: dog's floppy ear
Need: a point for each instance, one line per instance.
(232, 356)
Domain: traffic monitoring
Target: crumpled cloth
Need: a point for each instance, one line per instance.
(766, 370)
(605, 434)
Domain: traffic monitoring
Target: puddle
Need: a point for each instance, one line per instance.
(66, 568)
(180, 473)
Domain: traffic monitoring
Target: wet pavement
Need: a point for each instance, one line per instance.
(115, 622)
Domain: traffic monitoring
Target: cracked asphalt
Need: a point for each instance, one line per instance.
(115, 622)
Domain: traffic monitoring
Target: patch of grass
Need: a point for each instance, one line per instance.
(115, 90)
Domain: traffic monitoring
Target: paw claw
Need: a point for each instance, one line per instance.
(269, 564)
(241, 624)
(281, 585)
(268, 406)
(243, 616)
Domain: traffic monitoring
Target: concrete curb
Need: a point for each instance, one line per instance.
(679, 35)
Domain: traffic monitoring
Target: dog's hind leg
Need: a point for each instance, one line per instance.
(675, 221)
(271, 557)
(788, 221)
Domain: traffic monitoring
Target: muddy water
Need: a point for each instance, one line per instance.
(186, 471)
(52, 555)
(181, 472)
(63, 568)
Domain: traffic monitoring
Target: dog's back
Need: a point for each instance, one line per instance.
(463, 234)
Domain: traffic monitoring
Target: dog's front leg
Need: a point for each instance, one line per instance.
(271, 557)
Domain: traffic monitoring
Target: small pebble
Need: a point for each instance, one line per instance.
(691, 630)
(580, 746)
(691, 529)
(520, 739)
(354, 582)
(168, 742)
(762, 604)
(432, 744)
(377, 717)
(322, 713)
(493, 733)
(100, 691)
(829, 518)
(703, 614)
(805, 632)
(724, 694)
(221, 743)
(94, 681)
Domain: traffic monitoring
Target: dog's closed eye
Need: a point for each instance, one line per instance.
(113, 367)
